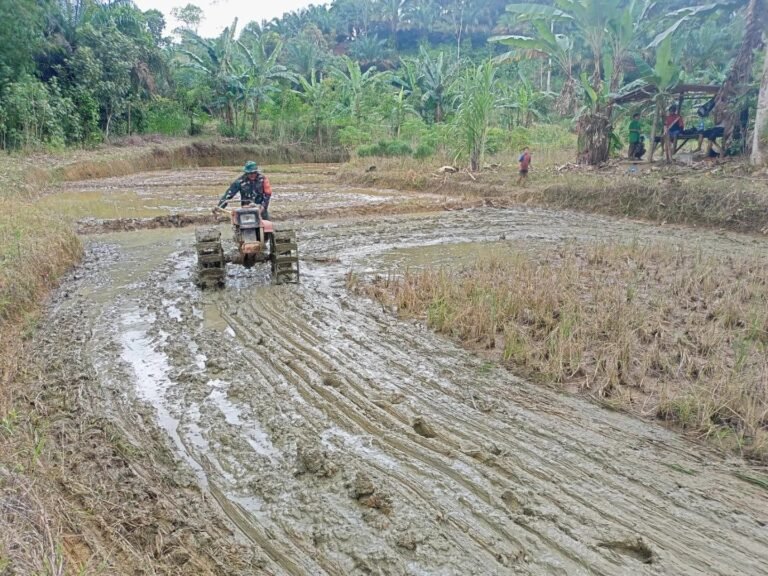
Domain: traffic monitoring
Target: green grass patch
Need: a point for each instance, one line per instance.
(756, 479)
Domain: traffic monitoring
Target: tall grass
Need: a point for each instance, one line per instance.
(35, 249)
(656, 329)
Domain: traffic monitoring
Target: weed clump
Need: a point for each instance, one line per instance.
(386, 149)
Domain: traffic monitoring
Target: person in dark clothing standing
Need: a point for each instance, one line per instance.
(253, 187)
(639, 148)
(634, 136)
(525, 162)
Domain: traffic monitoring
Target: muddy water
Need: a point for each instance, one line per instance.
(194, 191)
(340, 440)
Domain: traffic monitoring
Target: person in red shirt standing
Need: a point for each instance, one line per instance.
(525, 162)
(673, 127)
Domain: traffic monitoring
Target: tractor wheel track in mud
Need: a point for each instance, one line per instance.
(525, 461)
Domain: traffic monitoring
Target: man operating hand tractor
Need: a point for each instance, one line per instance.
(253, 187)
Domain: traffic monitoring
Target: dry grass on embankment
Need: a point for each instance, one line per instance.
(35, 250)
(658, 330)
(721, 197)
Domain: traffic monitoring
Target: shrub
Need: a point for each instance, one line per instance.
(519, 137)
(239, 132)
(164, 116)
(386, 148)
(498, 140)
(32, 113)
(424, 150)
(352, 136)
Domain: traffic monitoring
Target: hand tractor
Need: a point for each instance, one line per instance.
(256, 240)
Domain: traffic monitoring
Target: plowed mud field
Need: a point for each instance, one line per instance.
(336, 439)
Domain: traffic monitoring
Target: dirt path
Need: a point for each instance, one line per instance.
(339, 440)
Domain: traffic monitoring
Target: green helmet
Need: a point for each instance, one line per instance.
(250, 167)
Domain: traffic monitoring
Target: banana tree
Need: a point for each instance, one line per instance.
(736, 84)
(663, 77)
(437, 76)
(626, 26)
(216, 61)
(590, 20)
(355, 84)
(316, 95)
(400, 109)
(261, 77)
(408, 77)
(593, 123)
(557, 47)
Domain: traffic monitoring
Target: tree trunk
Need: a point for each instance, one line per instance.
(459, 30)
(549, 61)
(739, 76)
(760, 137)
(438, 113)
(106, 128)
(256, 110)
(566, 101)
(394, 26)
(549, 75)
(594, 138)
(474, 159)
(656, 114)
(229, 115)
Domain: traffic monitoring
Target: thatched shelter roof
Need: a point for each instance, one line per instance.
(648, 91)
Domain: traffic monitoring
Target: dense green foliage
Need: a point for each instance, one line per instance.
(382, 76)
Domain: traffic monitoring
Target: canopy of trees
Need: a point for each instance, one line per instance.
(376, 76)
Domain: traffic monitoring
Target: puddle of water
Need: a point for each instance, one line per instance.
(212, 319)
(110, 204)
(194, 191)
(254, 434)
(445, 254)
(171, 310)
(151, 369)
(337, 439)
